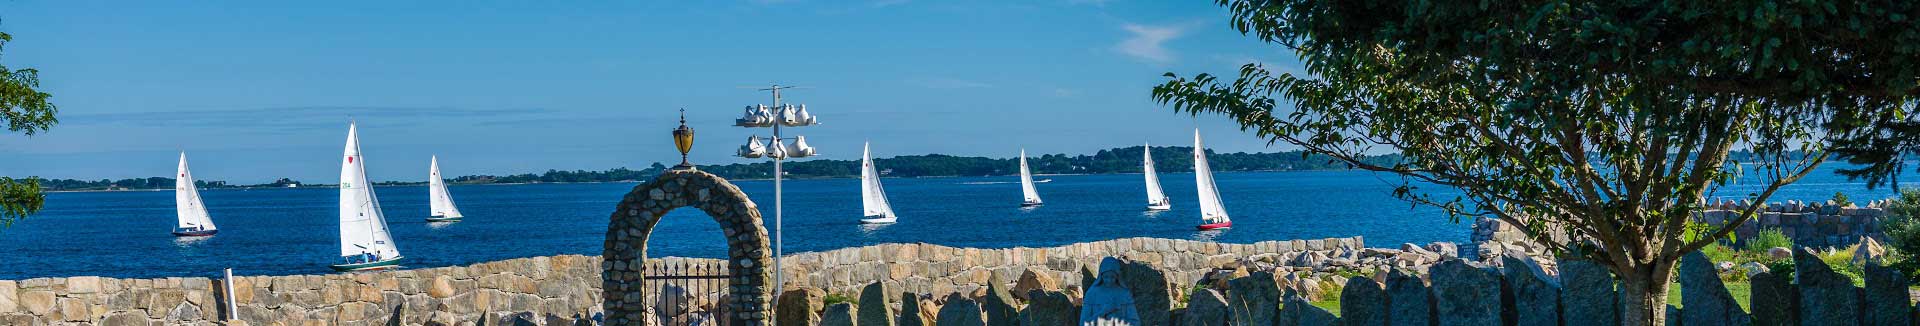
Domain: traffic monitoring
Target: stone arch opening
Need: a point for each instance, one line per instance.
(748, 256)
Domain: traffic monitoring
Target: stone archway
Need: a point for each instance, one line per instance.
(631, 224)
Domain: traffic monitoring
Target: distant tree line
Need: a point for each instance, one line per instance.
(1118, 160)
(146, 183)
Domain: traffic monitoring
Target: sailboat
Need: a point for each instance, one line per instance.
(364, 241)
(873, 197)
(1156, 200)
(1213, 215)
(192, 213)
(1030, 196)
(437, 196)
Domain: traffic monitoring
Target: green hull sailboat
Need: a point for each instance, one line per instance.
(364, 241)
(384, 264)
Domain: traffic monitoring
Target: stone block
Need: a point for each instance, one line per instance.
(1589, 291)
(876, 308)
(1826, 297)
(1886, 297)
(1409, 300)
(124, 319)
(960, 311)
(1052, 308)
(1152, 297)
(9, 296)
(83, 284)
(1704, 297)
(1030, 281)
(1772, 300)
(1465, 295)
(75, 310)
(999, 304)
(1536, 294)
(912, 313)
(1254, 299)
(839, 314)
(37, 302)
(1363, 302)
(1298, 312)
(798, 307)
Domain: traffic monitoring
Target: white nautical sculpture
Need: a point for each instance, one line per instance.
(800, 148)
(776, 149)
(753, 148)
(755, 116)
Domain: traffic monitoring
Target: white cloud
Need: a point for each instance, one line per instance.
(1149, 42)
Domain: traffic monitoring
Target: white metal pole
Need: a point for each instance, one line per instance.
(779, 275)
(232, 308)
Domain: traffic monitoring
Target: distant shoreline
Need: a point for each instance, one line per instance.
(423, 183)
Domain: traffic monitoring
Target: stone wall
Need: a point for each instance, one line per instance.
(567, 289)
(939, 270)
(1818, 225)
(557, 289)
(1815, 225)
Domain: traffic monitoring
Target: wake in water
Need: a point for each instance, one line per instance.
(1001, 182)
(988, 182)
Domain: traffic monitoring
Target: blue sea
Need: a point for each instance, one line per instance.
(294, 231)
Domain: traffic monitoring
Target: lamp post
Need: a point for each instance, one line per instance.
(762, 116)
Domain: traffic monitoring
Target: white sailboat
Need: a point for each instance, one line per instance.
(1213, 215)
(873, 197)
(1156, 199)
(193, 220)
(438, 198)
(364, 241)
(1030, 197)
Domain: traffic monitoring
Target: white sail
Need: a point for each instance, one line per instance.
(1031, 196)
(873, 197)
(1211, 211)
(437, 196)
(1156, 199)
(192, 213)
(363, 229)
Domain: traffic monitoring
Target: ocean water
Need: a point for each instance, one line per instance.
(294, 231)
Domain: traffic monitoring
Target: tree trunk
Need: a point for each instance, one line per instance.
(1643, 295)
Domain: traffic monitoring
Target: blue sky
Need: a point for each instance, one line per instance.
(260, 90)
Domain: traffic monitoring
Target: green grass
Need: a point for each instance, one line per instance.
(1741, 292)
(1332, 306)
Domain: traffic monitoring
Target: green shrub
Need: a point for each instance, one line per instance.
(1842, 262)
(1902, 230)
(833, 298)
(1768, 239)
(1718, 253)
(1840, 198)
(1782, 267)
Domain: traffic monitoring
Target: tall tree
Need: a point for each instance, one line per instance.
(25, 110)
(1600, 127)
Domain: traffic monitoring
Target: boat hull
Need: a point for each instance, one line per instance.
(199, 233)
(384, 264)
(443, 219)
(1030, 204)
(1215, 226)
(878, 220)
(1160, 207)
